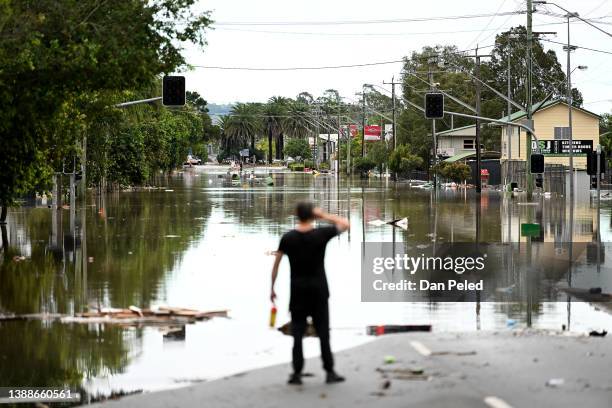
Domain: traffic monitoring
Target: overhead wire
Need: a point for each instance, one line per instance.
(362, 22)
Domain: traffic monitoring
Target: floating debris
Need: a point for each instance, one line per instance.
(131, 316)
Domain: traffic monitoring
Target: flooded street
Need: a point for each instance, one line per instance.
(202, 242)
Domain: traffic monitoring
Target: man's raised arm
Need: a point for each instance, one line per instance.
(341, 223)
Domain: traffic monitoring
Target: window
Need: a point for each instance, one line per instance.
(468, 144)
(561, 133)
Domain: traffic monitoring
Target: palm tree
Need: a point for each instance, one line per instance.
(297, 123)
(279, 104)
(243, 124)
(273, 113)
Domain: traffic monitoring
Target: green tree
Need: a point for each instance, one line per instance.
(363, 164)
(402, 161)
(378, 154)
(60, 59)
(298, 148)
(243, 125)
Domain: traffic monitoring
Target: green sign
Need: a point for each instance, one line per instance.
(530, 230)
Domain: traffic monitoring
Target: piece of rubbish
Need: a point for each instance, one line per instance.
(555, 382)
(389, 359)
(595, 291)
(169, 191)
(273, 316)
(397, 328)
(269, 181)
(127, 317)
(136, 310)
(90, 259)
(18, 258)
(309, 332)
(405, 373)
(595, 333)
(401, 223)
(510, 323)
(386, 385)
(507, 289)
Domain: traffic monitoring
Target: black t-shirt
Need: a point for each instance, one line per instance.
(306, 252)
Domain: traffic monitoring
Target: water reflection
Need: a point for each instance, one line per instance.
(200, 241)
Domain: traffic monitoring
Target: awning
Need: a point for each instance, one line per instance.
(472, 155)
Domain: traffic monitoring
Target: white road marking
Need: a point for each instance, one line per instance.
(420, 348)
(495, 402)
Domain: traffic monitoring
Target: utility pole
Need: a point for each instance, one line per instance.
(363, 121)
(393, 83)
(509, 110)
(529, 97)
(569, 50)
(478, 89)
(478, 178)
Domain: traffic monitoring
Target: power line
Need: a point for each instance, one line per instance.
(299, 68)
(367, 64)
(354, 34)
(488, 24)
(358, 22)
(578, 46)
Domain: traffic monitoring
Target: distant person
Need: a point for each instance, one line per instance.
(305, 247)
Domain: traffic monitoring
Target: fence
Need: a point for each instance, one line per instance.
(514, 171)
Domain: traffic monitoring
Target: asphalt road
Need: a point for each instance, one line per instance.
(498, 370)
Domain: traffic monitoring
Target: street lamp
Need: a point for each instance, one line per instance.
(569, 48)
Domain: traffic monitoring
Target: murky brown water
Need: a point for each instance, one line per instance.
(201, 242)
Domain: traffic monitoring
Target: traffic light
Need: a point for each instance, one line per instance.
(592, 163)
(537, 163)
(173, 93)
(593, 182)
(539, 182)
(434, 105)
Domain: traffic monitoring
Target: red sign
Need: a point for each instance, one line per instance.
(372, 132)
(354, 130)
(484, 172)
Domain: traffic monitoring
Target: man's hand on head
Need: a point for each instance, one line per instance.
(318, 213)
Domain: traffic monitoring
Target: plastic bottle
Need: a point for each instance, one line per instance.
(273, 316)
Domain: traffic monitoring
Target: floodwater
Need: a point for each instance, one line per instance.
(200, 241)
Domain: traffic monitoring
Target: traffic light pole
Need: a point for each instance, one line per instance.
(138, 102)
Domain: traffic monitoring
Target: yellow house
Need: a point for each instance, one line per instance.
(551, 128)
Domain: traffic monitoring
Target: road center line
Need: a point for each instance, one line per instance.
(420, 348)
(495, 402)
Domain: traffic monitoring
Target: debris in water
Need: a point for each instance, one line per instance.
(595, 333)
(18, 258)
(131, 316)
(389, 359)
(169, 191)
(510, 323)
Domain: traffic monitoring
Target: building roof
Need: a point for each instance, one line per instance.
(469, 130)
(468, 155)
(539, 106)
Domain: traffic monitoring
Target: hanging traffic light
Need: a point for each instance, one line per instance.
(592, 163)
(173, 92)
(434, 105)
(537, 163)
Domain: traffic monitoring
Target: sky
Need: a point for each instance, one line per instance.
(289, 42)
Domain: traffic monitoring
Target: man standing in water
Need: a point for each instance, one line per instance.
(305, 247)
